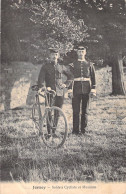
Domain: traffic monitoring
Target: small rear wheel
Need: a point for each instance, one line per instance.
(54, 127)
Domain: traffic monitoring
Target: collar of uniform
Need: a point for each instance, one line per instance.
(80, 60)
(53, 63)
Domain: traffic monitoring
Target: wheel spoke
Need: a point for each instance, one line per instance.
(55, 130)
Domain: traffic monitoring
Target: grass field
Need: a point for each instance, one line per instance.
(100, 155)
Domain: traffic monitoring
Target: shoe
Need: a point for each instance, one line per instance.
(53, 129)
(75, 133)
(82, 134)
(54, 135)
(47, 136)
(83, 131)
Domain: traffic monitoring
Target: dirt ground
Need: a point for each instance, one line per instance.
(98, 156)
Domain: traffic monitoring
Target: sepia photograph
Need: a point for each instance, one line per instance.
(63, 96)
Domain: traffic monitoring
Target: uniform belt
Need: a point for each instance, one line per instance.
(81, 79)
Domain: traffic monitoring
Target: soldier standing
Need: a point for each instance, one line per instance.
(84, 84)
(51, 75)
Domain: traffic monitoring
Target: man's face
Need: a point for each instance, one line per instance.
(81, 53)
(54, 56)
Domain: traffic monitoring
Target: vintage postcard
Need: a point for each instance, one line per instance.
(63, 96)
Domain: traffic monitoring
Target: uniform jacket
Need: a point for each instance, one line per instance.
(52, 76)
(84, 77)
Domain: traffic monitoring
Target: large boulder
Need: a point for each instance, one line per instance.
(16, 80)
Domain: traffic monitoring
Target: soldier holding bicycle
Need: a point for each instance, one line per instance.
(51, 75)
(84, 84)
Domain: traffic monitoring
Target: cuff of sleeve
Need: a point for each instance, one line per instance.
(93, 91)
(70, 90)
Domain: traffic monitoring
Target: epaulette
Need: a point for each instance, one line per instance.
(91, 63)
(71, 64)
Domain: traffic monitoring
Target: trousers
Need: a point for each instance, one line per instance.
(58, 101)
(76, 102)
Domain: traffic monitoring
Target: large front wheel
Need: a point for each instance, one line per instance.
(54, 127)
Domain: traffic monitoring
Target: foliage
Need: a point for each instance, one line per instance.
(38, 27)
(30, 27)
(106, 22)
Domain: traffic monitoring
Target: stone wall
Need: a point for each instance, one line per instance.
(16, 80)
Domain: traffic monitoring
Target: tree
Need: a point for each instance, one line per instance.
(38, 24)
(9, 36)
(113, 30)
(108, 20)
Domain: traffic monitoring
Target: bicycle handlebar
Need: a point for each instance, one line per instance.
(47, 90)
(50, 91)
(35, 87)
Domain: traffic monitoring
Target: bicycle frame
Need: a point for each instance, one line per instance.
(49, 100)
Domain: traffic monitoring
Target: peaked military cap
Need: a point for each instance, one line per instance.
(81, 48)
(53, 50)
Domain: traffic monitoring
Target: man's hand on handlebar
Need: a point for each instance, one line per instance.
(62, 86)
(44, 89)
(48, 90)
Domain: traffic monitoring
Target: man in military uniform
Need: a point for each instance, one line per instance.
(51, 75)
(84, 84)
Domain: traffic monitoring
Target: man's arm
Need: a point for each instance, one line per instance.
(69, 76)
(41, 77)
(93, 79)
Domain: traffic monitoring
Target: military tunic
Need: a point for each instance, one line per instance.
(51, 75)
